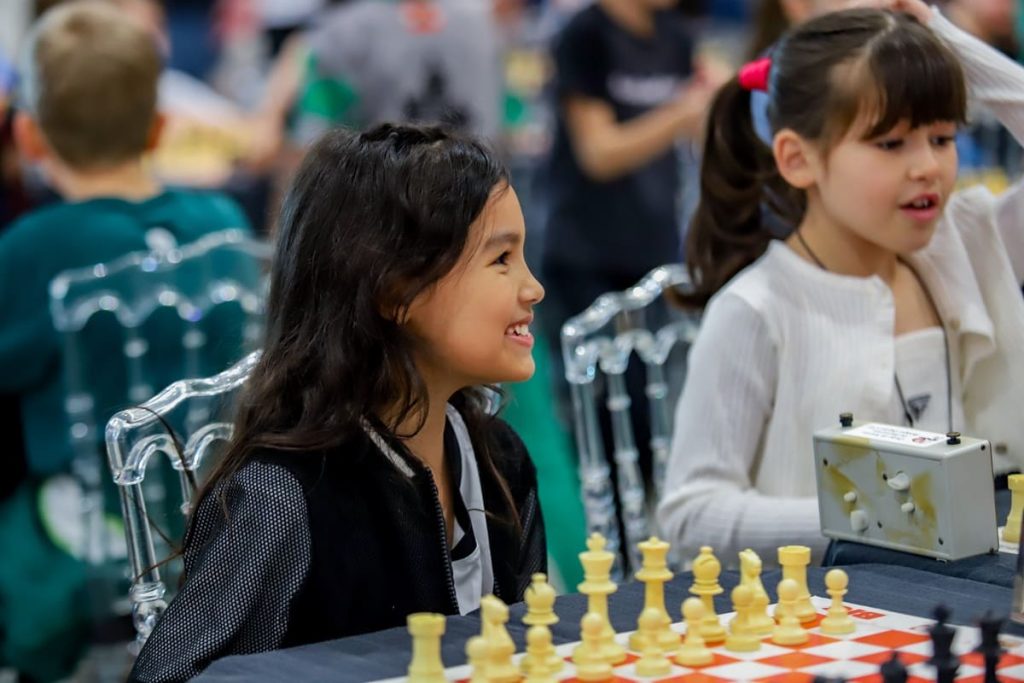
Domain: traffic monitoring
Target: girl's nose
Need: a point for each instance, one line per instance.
(925, 163)
(533, 290)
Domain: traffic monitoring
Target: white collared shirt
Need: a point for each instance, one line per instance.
(474, 574)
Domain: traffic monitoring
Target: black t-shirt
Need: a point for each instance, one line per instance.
(628, 225)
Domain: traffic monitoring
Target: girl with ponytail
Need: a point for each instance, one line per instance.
(840, 273)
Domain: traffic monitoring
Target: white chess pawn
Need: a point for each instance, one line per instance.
(838, 621)
(741, 638)
(693, 651)
(588, 657)
(537, 664)
(1011, 531)
(653, 662)
(789, 631)
(760, 623)
(476, 657)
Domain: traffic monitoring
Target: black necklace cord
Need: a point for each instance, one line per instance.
(942, 327)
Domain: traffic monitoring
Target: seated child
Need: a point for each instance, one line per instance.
(366, 479)
(88, 119)
(892, 297)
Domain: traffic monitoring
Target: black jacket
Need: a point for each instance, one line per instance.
(321, 546)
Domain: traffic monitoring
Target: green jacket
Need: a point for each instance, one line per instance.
(72, 235)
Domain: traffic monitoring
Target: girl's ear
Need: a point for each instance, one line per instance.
(796, 159)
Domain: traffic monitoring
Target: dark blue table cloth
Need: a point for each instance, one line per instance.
(998, 569)
(386, 654)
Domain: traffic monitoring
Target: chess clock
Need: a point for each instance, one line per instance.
(906, 489)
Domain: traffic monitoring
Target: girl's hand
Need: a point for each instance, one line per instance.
(915, 8)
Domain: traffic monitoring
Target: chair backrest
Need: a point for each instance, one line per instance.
(169, 423)
(600, 342)
(140, 322)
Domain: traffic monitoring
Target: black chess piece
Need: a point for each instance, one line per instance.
(945, 662)
(989, 647)
(893, 671)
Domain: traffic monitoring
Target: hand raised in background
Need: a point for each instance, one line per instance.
(915, 8)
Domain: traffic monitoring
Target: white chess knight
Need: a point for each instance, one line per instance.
(500, 646)
(760, 622)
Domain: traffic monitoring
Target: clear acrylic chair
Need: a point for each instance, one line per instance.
(187, 422)
(599, 343)
(140, 322)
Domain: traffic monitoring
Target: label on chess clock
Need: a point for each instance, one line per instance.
(904, 436)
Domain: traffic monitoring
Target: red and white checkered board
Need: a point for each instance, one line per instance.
(855, 657)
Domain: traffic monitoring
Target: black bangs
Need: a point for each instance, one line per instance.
(918, 81)
(913, 77)
(906, 74)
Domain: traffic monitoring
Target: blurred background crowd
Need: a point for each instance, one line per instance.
(246, 86)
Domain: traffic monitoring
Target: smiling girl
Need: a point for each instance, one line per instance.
(888, 295)
(366, 480)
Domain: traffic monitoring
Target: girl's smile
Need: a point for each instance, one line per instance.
(925, 208)
(519, 333)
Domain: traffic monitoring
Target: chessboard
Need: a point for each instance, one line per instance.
(855, 658)
(803, 638)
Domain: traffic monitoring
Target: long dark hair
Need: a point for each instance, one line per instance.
(371, 221)
(824, 75)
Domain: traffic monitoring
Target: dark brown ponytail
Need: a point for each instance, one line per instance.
(738, 183)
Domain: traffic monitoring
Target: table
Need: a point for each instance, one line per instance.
(998, 569)
(386, 654)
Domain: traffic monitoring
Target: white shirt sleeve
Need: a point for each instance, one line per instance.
(720, 422)
(996, 82)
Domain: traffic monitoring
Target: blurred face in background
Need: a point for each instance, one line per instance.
(656, 5)
(993, 21)
(994, 17)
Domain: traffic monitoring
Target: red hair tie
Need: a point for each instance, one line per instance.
(754, 75)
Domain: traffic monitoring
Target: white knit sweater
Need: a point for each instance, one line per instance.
(786, 346)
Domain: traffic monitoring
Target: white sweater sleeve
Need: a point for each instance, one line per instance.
(996, 82)
(720, 421)
(993, 79)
